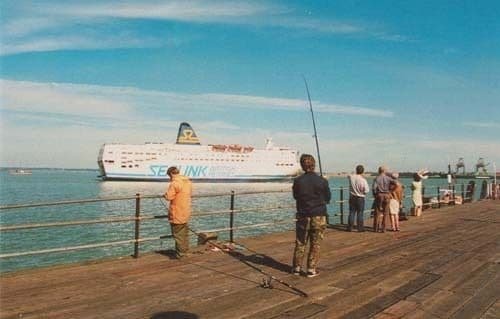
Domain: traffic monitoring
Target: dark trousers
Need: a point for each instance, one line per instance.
(181, 237)
(356, 209)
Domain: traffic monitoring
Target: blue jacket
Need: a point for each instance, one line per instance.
(312, 193)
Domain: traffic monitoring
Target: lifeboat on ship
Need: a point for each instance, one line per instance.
(219, 148)
(235, 148)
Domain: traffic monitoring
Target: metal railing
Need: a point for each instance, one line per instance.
(287, 209)
(138, 217)
(435, 200)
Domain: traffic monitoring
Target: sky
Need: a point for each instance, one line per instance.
(407, 84)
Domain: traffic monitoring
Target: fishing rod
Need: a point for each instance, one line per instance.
(314, 125)
(266, 283)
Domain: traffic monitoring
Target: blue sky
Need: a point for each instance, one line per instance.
(409, 84)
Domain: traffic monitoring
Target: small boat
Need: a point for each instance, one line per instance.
(20, 171)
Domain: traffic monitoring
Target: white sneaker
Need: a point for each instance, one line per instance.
(296, 271)
(312, 273)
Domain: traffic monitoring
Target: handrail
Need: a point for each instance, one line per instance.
(141, 216)
(129, 219)
(107, 199)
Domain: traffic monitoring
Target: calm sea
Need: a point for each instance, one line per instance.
(61, 185)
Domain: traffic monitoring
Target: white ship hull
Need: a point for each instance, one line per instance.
(202, 163)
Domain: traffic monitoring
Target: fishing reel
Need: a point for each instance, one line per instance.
(267, 282)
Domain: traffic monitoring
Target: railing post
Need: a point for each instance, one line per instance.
(463, 193)
(439, 199)
(342, 205)
(231, 218)
(137, 224)
(453, 193)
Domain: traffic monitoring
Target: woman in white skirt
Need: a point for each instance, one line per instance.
(416, 196)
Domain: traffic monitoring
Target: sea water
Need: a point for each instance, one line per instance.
(45, 186)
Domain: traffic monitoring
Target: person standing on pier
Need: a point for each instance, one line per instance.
(396, 201)
(179, 194)
(416, 196)
(381, 191)
(312, 194)
(358, 188)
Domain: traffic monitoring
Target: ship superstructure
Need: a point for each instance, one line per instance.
(204, 163)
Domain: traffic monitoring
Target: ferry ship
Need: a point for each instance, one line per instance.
(201, 163)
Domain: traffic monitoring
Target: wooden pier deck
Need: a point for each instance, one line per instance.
(444, 264)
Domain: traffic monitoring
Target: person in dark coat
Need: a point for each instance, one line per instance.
(312, 194)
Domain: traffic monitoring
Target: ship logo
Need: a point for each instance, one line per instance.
(187, 135)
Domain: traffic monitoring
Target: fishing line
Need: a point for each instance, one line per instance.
(266, 282)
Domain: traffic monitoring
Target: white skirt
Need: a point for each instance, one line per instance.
(393, 206)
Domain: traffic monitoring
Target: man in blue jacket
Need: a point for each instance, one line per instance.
(311, 193)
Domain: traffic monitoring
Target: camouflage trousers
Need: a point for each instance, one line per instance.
(308, 230)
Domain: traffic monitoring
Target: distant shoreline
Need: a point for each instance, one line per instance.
(328, 174)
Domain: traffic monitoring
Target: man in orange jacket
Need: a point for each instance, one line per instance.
(179, 194)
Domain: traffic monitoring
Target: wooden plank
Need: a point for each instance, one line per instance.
(385, 301)
(398, 310)
(305, 311)
(482, 300)
(365, 274)
(493, 312)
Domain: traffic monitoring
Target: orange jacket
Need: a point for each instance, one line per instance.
(179, 195)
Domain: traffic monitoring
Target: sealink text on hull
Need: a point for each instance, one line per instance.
(202, 163)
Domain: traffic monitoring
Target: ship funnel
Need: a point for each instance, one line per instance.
(187, 135)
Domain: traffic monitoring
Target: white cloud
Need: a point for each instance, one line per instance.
(23, 26)
(60, 99)
(289, 104)
(55, 25)
(482, 124)
(80, 42)
(192, 11)
(102, 101)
